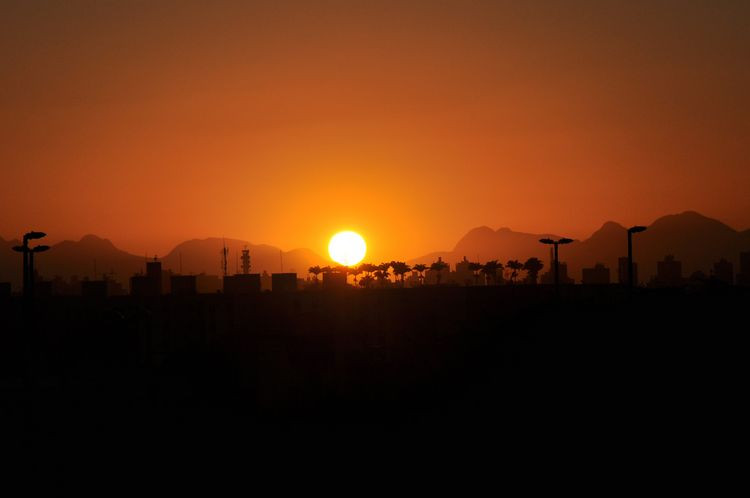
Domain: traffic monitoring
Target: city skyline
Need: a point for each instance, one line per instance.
(408, 123)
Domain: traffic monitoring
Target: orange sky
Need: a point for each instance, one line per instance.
(152, 122)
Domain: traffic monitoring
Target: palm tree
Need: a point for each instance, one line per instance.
(438, 267)
(400, 269)
(490, 269)
(315, 271)
(533, 266)
(515, 266)
(355, 270)
(476, 268)
(382, 273)
(420, 269)
(366, 281)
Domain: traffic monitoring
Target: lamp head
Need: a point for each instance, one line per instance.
(546, 241)
(19, 248)
(564, 241)
(34, 235)
(40, 249)
(636, 229)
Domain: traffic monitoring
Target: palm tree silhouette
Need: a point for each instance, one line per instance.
(315, 271)
(354, 271)
(420, 269)
(438, 267)
(515, 266)
(533, 266)
(400, 269)
(490, 269)
(476, 268)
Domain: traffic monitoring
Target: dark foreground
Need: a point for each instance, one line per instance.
(595, 368)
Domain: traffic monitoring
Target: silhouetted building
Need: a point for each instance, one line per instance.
(242, 284)
(431, 276)
(743, 277)
(183, 285)
(463, 274)
(549, 277)
(283, 282)
(669, 272)
(207, 284)
(265, 281)
(724, 271)
(4, 289)
(150, 284)
(598, 275)
(334, 280)
(622, 271)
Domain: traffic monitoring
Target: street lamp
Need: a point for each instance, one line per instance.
(631, 231)
(556, 243)
(28, 259)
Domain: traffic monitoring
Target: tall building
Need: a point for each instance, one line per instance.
(669, 272)
(150, 284)
(598, 275)
(463, 274)
(723, 271)
(622, 271)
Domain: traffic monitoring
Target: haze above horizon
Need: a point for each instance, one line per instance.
(149, 123)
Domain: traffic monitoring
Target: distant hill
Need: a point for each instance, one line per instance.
(92, 254)
(692, 238)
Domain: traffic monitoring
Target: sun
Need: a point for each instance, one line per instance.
(347, 248)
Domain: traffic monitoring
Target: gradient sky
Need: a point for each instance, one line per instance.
(151, 122)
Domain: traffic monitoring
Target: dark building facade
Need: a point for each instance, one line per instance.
(283, 282)
(183, 285)
(669, 272)
(723, 271)
(598, 275)
(242, 284)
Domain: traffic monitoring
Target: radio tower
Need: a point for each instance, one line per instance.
(245, 261)
(224, 253)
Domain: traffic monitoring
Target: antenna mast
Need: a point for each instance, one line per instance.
(224, 253)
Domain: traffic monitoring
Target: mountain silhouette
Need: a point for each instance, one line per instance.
(92, 256)
(694, 239)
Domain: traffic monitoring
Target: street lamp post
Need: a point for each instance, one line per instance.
(631, 231)
(28, 259)
(556, 243)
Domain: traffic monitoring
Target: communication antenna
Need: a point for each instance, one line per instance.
(224, 253)
(245, 261)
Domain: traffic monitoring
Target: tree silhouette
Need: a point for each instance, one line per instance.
(490, 269)
(420, 269)
(366, 281)
(438, 267)
(515, 266)
(476, 268)
(354, 271)
(400, 269)
(533, 266)
(315, 271)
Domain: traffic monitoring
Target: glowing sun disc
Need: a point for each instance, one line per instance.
(347, 248)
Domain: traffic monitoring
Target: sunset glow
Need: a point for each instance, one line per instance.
(347, 248)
